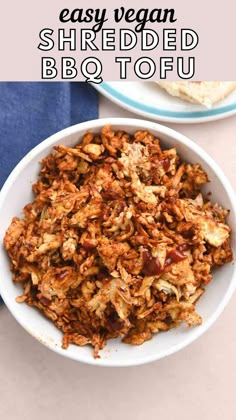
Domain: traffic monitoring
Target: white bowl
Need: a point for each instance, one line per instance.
(17, 192)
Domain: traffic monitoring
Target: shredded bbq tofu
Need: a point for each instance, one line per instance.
(119, 241)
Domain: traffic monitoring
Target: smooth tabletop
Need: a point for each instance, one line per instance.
(196, 383)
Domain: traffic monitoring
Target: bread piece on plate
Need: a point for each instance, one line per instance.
(204, 93)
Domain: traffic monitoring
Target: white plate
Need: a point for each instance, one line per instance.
(149, 100)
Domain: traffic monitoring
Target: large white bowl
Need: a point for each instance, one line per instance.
(17, 192)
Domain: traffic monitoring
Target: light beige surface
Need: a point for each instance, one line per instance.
(196, 383)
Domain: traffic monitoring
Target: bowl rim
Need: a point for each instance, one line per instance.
(162, 130)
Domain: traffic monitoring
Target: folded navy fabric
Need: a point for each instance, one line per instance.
(30, 112)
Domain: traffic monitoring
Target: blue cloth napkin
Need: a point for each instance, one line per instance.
(32, 111)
